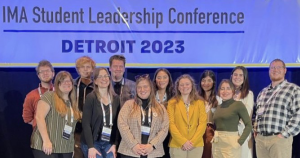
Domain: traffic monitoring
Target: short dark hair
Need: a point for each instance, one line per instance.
(44, 63)
(117, 57)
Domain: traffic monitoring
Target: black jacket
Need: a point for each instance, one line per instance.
(92, 120)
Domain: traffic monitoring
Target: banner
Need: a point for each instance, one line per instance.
(152, 33)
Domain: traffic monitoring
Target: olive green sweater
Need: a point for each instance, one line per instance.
(227, 116)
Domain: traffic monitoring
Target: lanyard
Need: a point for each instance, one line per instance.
(72, 117)
(149, 116)
(275, 92)
(157, 97)
(77, 90)
(187, 107)
(40, 91)
(110, 113)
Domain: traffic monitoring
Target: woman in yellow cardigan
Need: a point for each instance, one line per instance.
(187, 118)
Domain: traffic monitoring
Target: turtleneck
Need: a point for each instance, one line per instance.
(145, 103)
(227, 116)
(227, 103)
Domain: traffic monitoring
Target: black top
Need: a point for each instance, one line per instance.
(92, 120)
(145, 106)
(107, 114)
(83, 88)
(145, 103)
(117, 87)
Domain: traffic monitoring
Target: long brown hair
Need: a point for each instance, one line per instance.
(169, 88)
(60, 105)
(212, 99)
(193, 96)
(110, 89)
(245, 86)
(152, 101)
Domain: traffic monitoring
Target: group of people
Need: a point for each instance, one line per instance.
(103, 114)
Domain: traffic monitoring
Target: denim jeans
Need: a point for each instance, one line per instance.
(101, 146)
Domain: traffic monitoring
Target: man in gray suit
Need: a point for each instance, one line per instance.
(125, 88)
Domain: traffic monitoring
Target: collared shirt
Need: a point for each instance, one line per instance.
(281, 109)
(30, 104)
(118, 86)
(127, 90)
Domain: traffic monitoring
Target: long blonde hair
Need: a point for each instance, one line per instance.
(110, 89)
(59, 103)
(193, 96)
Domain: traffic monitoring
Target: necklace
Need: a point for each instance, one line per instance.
(236, 94)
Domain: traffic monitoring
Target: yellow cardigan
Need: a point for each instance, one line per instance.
(179, 123)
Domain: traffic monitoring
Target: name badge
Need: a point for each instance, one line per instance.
(260, 111)
(145, 130)
(67, 132)
(105, 135)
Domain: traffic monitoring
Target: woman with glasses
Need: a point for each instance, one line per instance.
(163, 85)
(242, 92)
(99, 121)
(227, 142)
(187, 120)
(56, 118)
(143, 123)
(207, 90)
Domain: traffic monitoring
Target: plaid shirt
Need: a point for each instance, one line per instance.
(281, 112)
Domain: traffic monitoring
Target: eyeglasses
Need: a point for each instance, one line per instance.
(66, 82)
(105, 76)
(44, 71)
(276, 67)
(137, 77)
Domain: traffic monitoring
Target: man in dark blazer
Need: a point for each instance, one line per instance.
(125, 88)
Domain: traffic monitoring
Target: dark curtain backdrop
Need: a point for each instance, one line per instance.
(17, 82)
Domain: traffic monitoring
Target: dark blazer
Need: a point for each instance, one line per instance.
(128, 91)
(92, 120)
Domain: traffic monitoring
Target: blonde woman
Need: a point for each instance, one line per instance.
(187, 120)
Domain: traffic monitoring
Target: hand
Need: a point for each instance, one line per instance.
(92, 153)
(188, 145)
(137, 150)
(31, 122)
(47, 147)
(113, 150)
(146, 149)
(280, 136)
(254, 134)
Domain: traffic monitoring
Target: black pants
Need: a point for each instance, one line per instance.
(41, 154)
(125, 156)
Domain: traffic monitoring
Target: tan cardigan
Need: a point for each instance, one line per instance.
(130, 130)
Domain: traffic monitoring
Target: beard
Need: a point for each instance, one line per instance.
(47, 80)
(276, 78)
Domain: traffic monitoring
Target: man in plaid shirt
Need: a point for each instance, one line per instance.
(278, 115)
